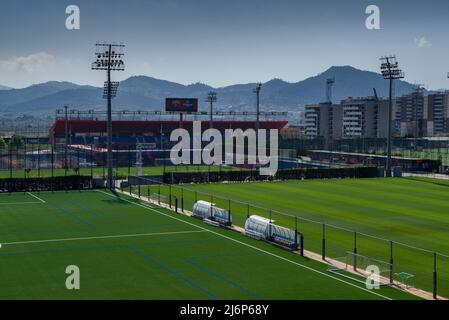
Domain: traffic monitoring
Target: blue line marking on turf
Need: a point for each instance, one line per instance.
(224, 279)
(73, 216)
(60, 251)
(174, 273)
(77, 205)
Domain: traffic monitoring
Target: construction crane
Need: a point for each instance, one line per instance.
(375, 94)
(329, 83)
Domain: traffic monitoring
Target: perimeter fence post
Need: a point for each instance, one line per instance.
(169, 196)
(435, 287)
(182, 199)
(229, 213)
(391, 263)
(323, 243)
(176, 204)
(296, 233)
(355, 251)
(139, 188)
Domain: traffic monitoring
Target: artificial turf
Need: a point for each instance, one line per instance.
(361, 213)
(129, 251)
(434, 154)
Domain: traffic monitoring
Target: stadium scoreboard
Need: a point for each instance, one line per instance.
(182, 105)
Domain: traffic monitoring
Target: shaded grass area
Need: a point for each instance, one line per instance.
(127, 251)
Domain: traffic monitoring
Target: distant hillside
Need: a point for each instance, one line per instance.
(9, 98)
(147, 93)
(349, 82)
(4, 88)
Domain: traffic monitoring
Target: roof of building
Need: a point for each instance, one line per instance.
(154, 127)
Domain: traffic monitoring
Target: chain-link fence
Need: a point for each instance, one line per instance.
(434, 148)
(42, 160)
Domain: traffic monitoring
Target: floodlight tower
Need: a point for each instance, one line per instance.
(109, 57)
(257, 92)
(211, 98)
(390, 71)
(66, 139)
(329, 83)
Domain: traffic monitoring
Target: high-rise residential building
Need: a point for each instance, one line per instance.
(323, 120)
(414, 115)
(410, 110)
(421, 116)
(312, 121)
(436, 107)
(365, 117)
(353, 118)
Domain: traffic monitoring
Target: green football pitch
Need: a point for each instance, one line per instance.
(127, 250)
(434, 154)
(411, 212)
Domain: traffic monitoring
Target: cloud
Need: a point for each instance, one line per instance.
(36, 62)
(422, 42)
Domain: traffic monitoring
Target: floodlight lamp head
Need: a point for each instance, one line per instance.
(390, 68)
(258, 88)
(330, 80)
(211, 97)
(109, 57)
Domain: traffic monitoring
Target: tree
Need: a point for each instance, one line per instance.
(2, 144)
(16, 141)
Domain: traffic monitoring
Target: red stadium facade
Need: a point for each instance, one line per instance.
(97, 128)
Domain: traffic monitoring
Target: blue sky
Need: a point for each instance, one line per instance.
(222, 42)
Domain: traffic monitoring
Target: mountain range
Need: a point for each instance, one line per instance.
(147, 93)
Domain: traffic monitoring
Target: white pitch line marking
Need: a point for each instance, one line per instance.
(102, 237)
(253, 247)
(18, 203)
(36, 197)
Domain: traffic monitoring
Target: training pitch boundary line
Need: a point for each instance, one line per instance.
(103, 237)
(18, 203)
(25, 202)
(36, 197)
(250, 246)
